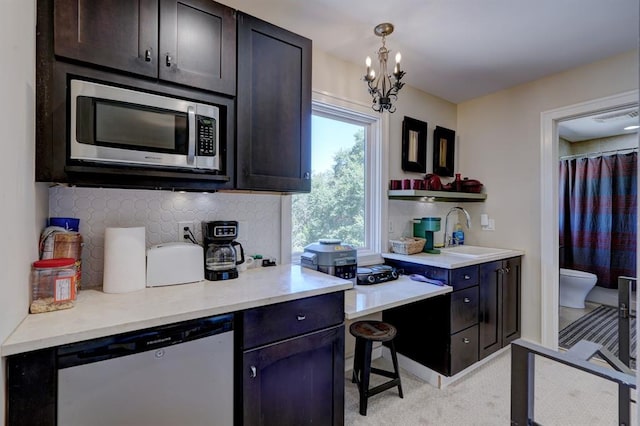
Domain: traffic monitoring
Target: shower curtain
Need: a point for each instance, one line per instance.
(598, 216)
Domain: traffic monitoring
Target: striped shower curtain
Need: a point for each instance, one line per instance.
(598, 216)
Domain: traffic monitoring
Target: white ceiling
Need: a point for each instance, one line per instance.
(462, 49)
(600, 125)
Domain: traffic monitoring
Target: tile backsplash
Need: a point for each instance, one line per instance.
(159, 212)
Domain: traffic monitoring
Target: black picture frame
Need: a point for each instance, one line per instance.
(414, 145)
(443, 151)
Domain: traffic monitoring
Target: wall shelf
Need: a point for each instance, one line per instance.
(432, 196)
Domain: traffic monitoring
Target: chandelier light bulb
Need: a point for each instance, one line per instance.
(398, 57)
(368, 61)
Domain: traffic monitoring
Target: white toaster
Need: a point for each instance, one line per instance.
(174, 263)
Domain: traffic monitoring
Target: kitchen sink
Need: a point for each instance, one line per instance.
(473, 251)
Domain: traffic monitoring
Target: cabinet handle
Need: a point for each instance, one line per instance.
(466, 341)
(147, 55)
(506, 270)
(466, 300)
(301, 317)
(169, 59)
(307, 176)
(467, 277)
(254, 372)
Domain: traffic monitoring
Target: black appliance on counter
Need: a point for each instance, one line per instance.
(376, 274)
(331, 257)
(221, 257)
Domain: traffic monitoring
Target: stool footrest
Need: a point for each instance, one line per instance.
(385, 373)
(383, 387)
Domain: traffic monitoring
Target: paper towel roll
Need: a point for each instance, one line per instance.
(124, 260)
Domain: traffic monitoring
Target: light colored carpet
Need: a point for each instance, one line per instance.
(564, 397)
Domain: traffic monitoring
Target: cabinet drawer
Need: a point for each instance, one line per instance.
(464, 349)
(464, 308)
(464, 277)
(281, 321)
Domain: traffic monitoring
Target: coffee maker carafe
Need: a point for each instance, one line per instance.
(221, 259)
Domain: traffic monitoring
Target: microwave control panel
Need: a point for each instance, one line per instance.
(206, 134)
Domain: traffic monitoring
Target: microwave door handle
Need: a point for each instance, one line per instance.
(191, 148)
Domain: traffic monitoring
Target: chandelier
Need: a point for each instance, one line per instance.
(384, 87)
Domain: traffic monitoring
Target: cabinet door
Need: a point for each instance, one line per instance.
(31, 383)
(489, 316)
(274, 108)
(198, 44)
(120, 34)
(511, 288)
(297, 381)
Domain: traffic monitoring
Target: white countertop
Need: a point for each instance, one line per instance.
(368, 299)
(97, 314)
(451, 261)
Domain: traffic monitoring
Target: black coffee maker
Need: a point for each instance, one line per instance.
(220, 255)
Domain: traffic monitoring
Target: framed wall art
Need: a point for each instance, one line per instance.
(414, 145)
(443, 151)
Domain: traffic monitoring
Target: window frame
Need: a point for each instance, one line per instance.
(376, 175)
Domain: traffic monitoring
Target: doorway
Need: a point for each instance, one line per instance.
(549, 255)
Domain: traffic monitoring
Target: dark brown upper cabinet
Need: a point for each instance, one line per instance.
(273, 108)
(188, 42)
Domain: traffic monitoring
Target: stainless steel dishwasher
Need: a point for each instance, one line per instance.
(180, 374)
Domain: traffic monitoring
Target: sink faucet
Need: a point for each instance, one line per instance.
(449, 241)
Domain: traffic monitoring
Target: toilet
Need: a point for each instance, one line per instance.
(574, 287)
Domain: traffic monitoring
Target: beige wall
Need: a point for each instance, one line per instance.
(500, 142)
(611, 143)
(344, 80)
(23, 202)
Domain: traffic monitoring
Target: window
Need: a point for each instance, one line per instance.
(347, 194)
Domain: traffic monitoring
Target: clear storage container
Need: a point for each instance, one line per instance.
(53, 285)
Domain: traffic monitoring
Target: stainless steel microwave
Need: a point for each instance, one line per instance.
(114, 125)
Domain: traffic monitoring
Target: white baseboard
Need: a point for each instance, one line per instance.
(434, 378)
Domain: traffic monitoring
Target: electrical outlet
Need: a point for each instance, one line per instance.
(183, 231)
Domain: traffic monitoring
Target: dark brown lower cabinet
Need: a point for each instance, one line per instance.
(452, 332)
(31, 384)
(293, 363)
(297, 381)
(500, 304)
(425, 335)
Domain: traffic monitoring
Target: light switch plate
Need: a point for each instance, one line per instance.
(491, 225)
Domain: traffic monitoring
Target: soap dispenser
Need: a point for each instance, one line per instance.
(458, 234)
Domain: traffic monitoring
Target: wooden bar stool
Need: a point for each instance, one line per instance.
(367, 332)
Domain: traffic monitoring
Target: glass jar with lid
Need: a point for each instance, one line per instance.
(53, 285)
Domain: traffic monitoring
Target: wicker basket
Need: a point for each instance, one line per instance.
(407, 245)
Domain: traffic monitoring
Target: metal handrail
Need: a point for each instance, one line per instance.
(624, 319)
(624, 334)
(523, 355)
(523, 364)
